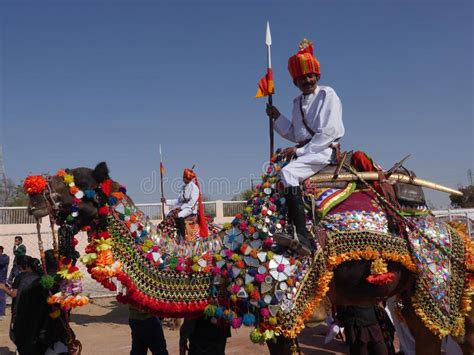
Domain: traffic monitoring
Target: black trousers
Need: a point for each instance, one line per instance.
(147, 334)
(202, 346)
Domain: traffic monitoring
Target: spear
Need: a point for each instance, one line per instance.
(162, 171)
(268, 42)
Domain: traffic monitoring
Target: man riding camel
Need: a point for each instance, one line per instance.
(187, 200)
(316, 126)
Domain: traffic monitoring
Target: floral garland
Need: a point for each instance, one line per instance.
(70, 292)
(98, 256)
(70, 288)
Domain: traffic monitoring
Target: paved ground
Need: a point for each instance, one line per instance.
(102, 328)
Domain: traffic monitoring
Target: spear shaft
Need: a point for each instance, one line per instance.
(161, 184)
(268, 42)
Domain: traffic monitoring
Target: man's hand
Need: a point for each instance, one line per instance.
(272, 112)
(163, 200)
(289, 152)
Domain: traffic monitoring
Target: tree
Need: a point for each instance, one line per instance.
(244, 195)
(464, 201)
(17, 197)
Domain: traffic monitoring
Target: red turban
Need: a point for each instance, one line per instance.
(303, 62)
(188, 174)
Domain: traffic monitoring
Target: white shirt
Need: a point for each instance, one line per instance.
(188, 197)
(323, 114)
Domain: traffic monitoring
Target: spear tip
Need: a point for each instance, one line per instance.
(268, 39)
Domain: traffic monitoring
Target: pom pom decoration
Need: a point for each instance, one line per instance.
(34, 184)
(47, 281)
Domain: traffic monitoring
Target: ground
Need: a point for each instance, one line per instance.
(102, 328)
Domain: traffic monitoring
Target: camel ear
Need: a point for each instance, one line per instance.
(101, 172)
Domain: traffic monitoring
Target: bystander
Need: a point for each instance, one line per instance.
(4, 261)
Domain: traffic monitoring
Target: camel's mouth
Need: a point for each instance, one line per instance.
(37, 206)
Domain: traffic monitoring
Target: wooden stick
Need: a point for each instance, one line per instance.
(396, 177)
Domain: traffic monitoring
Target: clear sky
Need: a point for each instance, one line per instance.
(87, 81)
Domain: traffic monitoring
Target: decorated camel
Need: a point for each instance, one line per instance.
(368, 246)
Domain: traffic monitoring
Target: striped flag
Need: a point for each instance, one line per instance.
(265, 85)
(162, 167)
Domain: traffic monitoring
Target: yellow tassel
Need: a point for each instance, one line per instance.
(379, 266)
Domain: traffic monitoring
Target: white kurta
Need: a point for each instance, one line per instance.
(323, 114)
(187, 200)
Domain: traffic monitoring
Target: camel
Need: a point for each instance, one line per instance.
(362, 256)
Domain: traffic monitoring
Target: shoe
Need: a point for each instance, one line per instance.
(301, 242)
(293, 243)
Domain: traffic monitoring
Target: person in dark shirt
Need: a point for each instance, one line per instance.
(26, 279)
(4, 261)
(147, 333)
(362, 330)
(19, 249)
(205, 338)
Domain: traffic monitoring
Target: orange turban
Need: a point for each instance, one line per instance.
(303, 62)
(188, 174)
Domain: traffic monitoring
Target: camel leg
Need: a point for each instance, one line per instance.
(426, 342)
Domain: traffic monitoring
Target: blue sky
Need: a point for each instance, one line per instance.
(87, 81)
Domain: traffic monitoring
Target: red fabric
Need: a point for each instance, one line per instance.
(203, 229)
(362, 162)
(358, 201)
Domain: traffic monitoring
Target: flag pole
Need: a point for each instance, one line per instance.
(161, 184)
(268, 42)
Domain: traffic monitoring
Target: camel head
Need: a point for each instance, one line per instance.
(72, 196)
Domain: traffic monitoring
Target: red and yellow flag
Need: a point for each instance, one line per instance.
(162, 168)
(265, 85)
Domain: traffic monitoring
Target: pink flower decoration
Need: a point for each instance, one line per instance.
(179, 268)
(260, 278)
(273, 208)
(280, 268)
(228, 253)
(264, 312)
(216, 270)
(243, 226)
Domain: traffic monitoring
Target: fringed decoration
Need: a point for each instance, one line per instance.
(379, 274)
